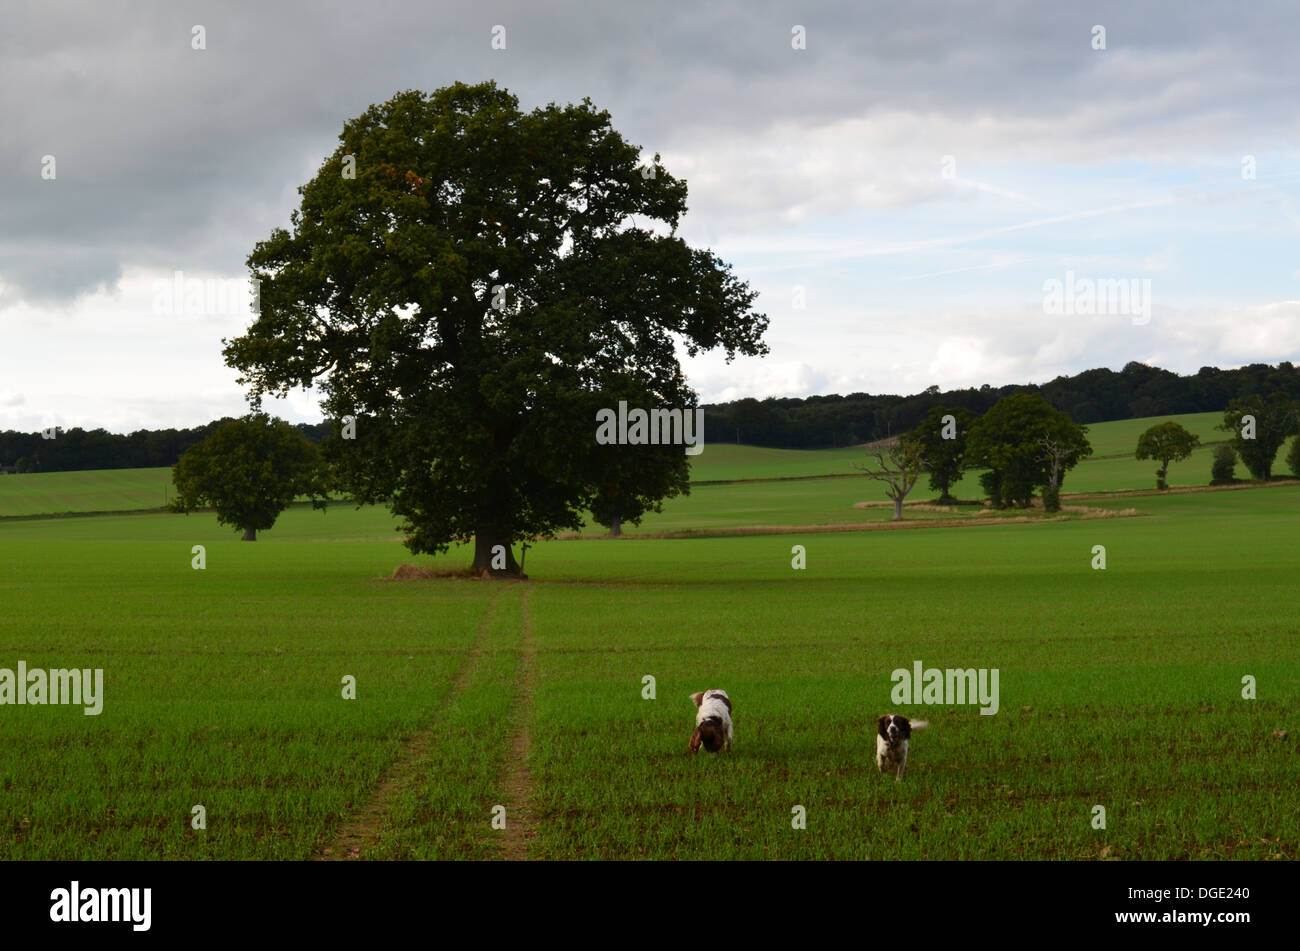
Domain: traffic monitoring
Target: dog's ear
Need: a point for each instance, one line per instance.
(695, 740)
(882, 722)
(697, 698)
(906, 729)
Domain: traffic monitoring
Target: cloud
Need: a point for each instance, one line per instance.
(822, 167)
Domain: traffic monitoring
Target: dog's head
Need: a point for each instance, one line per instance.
(711, 734)
(893, 728)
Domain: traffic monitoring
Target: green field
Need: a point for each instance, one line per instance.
(222, 687)
(100, 490)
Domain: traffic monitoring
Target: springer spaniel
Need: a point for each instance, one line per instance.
(712, 721)
(892, 735)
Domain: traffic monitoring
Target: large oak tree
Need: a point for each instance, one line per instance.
(473, 294)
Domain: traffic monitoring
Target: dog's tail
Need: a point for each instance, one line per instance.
(920, 724)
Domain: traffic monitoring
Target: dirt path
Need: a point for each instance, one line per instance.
(362, 828)
(517, 783)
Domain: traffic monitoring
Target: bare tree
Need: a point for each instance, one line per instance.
(1059, 454)
(898, 466)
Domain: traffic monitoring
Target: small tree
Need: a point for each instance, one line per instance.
(991, 483)
(898, 466)
(1293, 458)
(636, 480)
(1166, 443)
(1223, 470)
(1059, 451)
(249, 470)
(942, 438)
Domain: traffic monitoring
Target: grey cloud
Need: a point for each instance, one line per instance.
(176, 158)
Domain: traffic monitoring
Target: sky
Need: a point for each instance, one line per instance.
(922, 194)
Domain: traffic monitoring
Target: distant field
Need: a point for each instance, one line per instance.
(98, 490)
(1120, 437)
(721, 461)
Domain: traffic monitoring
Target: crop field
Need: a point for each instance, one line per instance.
(100, 490)
(1119, 688)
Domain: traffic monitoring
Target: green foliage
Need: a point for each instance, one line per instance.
(249, 470)
(1051, 498)
(1275, 419)
(944, 458)
(991, 483)
(1293, 458)
(1166, 442)
(474, 295)
(1012, 440)
(632, 480)
(1223, 469)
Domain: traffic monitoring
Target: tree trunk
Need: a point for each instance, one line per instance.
(898, 510)
(616, 526)
(484, 543)
(250, 534)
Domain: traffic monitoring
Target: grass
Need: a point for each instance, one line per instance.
(100, 490)
(1119, 688)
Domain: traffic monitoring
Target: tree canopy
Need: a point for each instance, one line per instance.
(942, 443)
(249, 470)
(473, 294)
(1257, 442)
(1166, 442)
(1025, 444)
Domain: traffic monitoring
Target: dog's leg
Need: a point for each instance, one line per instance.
(902, 767)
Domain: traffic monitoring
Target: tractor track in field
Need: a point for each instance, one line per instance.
(518, 786)
(362, 829)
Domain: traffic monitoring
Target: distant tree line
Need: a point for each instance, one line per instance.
(76, 449)
(1093, 396)
(812, 422)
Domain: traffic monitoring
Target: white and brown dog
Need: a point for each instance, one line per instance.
(892, 735)
(712, 721)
